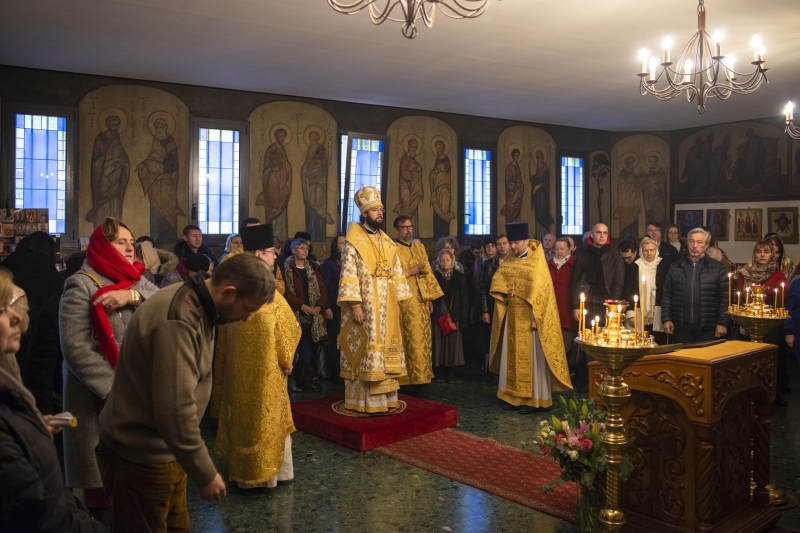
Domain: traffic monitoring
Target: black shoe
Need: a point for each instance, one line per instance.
(526, 410)
(509, 407)
(293, 386)
(316, 386)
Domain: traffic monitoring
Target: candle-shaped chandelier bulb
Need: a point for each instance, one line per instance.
(666, 45)
(643, 55)
(789, 111)
(717, 43)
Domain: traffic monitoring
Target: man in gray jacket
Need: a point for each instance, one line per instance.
(150, 434)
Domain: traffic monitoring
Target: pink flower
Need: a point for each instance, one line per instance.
(545, 451)
(586, 445)
(558, 438)
(584, 427)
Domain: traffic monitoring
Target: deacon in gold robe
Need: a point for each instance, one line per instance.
(415, 320)
(527, 348)
(255, 358)
(371, 285)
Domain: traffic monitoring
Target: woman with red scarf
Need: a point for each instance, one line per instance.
(98, 302)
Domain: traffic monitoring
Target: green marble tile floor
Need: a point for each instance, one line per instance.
(336, 489)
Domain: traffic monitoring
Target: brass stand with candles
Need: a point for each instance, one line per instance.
(759, 319)
(616, 348)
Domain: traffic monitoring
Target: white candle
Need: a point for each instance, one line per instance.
(666, 44)
(643, 58)
(789, 112)
(717, 43)
(756, 43)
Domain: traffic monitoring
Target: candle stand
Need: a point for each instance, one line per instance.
(616, 348)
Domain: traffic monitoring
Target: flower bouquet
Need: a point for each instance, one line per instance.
(574, 439)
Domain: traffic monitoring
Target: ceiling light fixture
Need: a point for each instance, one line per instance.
(702, 71)
(412, 10)
(791, 129)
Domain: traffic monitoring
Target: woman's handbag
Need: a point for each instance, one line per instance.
(306, 321)
(446, 324)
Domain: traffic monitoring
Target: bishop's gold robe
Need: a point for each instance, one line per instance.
(415, 320)
(255, 416)
(523, 290)
(372, 358)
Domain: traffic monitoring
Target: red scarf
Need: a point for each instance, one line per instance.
(181, 268)
(107, 261)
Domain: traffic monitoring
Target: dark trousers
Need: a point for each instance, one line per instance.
(693, 333)
(303, 371)
(147, 497)
(332, 354)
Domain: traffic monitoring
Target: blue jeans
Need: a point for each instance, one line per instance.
(693, 333)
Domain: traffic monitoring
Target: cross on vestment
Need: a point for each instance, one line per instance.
(512, 288)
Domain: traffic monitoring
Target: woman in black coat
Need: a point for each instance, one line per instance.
(448, 351)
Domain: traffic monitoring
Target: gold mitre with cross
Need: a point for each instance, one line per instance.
(368, 198)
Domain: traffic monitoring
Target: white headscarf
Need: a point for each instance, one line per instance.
(648, 270)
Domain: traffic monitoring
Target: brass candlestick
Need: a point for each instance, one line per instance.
(756, 316)
(616, 348)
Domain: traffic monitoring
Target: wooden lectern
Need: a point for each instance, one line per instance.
(698, 421)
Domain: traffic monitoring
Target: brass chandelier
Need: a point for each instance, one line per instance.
(412, 10)
(702, 71)
(791, 129)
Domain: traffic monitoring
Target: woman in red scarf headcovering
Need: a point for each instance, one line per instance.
(97, 305)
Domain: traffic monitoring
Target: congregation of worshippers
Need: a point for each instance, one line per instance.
(135, 341)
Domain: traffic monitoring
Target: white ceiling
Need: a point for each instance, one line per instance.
(569, 62)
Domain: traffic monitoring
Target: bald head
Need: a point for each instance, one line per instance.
(600, 235)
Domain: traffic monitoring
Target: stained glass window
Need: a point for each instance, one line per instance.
(40, 166)
(477, 192)
(366, 168)
(218, 181)
(572, 195)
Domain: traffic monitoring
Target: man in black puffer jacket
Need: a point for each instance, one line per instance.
(32, 493)
(694, 304)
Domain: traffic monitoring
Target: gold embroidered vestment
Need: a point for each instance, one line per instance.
(255, 415)
(415, 320)
(372, 353)
(523, 290)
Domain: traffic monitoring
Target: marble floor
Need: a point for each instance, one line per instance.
(340, 490)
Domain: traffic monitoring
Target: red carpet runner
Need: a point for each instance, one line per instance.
(488, 464)
(420, 416)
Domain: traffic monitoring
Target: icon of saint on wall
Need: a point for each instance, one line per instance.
(276, 181)
(158, 174)
(441, 184)
(514, 187)
(411, 192)
(539, 174)
(314, 182)
(111, 169)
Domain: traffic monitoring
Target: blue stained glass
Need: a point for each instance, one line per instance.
(218, 179)
(227, 155)
(40, 165)
(572, 195)
(366, 167)
(477, 192)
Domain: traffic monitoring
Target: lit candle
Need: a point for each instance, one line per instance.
(592, 327)
(666, 44)
(583, 320)
(653, 65)
(747, 296)
(775, 302)
(783, 295)
(730, 276)
(580, 317)
(730, 63)
(644, 303)
(643, 58)
(597, 322)
(738, 299)
(717, 43)
(789, 112)
(635, 327)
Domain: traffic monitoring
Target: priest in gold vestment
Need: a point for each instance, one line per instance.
(415, 320)
(254, 359)
(371, 285)
(527, 348)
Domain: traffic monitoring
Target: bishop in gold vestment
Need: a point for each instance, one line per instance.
(531, 362)
(371, 285)
(415, 312)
